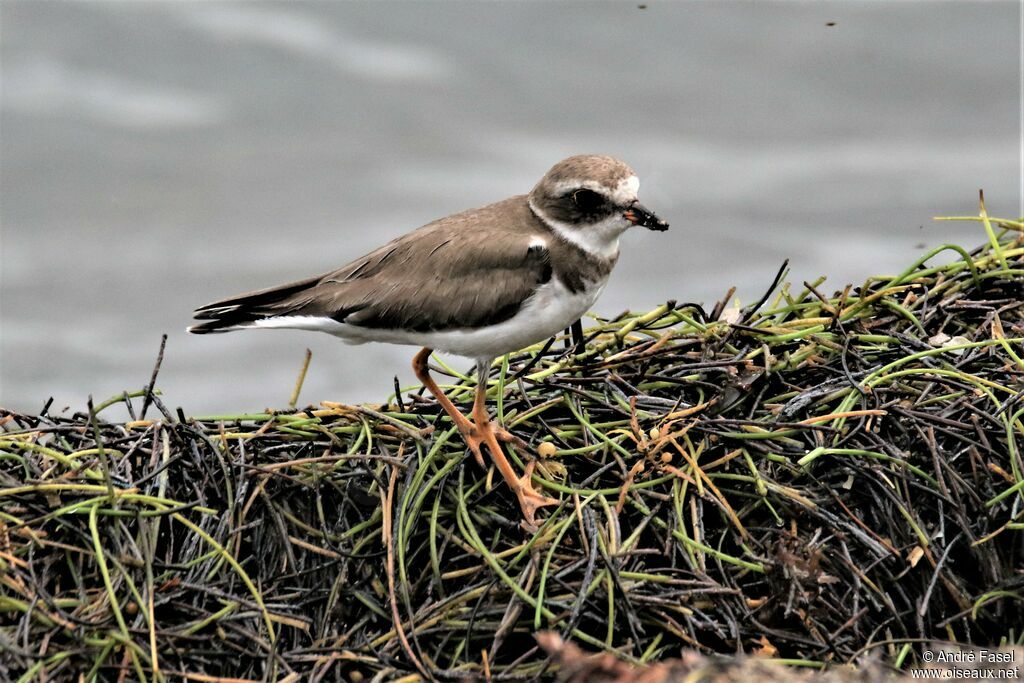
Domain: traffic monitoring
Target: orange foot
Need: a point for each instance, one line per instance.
(530, 500)
(508, 437)
(475, 437)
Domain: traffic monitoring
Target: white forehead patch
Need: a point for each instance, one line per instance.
(625, 193)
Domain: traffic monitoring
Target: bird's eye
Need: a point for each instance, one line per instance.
(587, 200)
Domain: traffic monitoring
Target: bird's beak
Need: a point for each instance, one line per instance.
(638, 214)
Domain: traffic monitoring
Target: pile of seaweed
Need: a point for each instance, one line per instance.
(811, 478)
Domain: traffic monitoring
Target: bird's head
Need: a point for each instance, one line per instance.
(591, 200)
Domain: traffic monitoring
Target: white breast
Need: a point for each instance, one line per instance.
(550, 310)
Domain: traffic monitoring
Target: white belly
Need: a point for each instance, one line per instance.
(549, 311)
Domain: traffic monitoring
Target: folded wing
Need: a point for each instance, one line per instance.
(443, 276)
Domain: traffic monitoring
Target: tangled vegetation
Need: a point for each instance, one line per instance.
(810, 478)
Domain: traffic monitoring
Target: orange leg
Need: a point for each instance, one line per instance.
(480, 409)
(483, 431)
(529, 498)
(466, 428)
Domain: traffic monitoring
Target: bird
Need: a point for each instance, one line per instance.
(480, 283)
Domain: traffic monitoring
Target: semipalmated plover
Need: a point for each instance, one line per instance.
(481, 283)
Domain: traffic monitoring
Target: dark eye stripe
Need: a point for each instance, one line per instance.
(587, 200)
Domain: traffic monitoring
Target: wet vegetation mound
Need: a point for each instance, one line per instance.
(813, 478)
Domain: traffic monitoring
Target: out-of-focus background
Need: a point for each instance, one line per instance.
(155, 156)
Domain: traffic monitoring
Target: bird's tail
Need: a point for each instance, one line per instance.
(245, 310)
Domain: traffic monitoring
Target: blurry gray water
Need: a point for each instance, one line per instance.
(156, 156)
